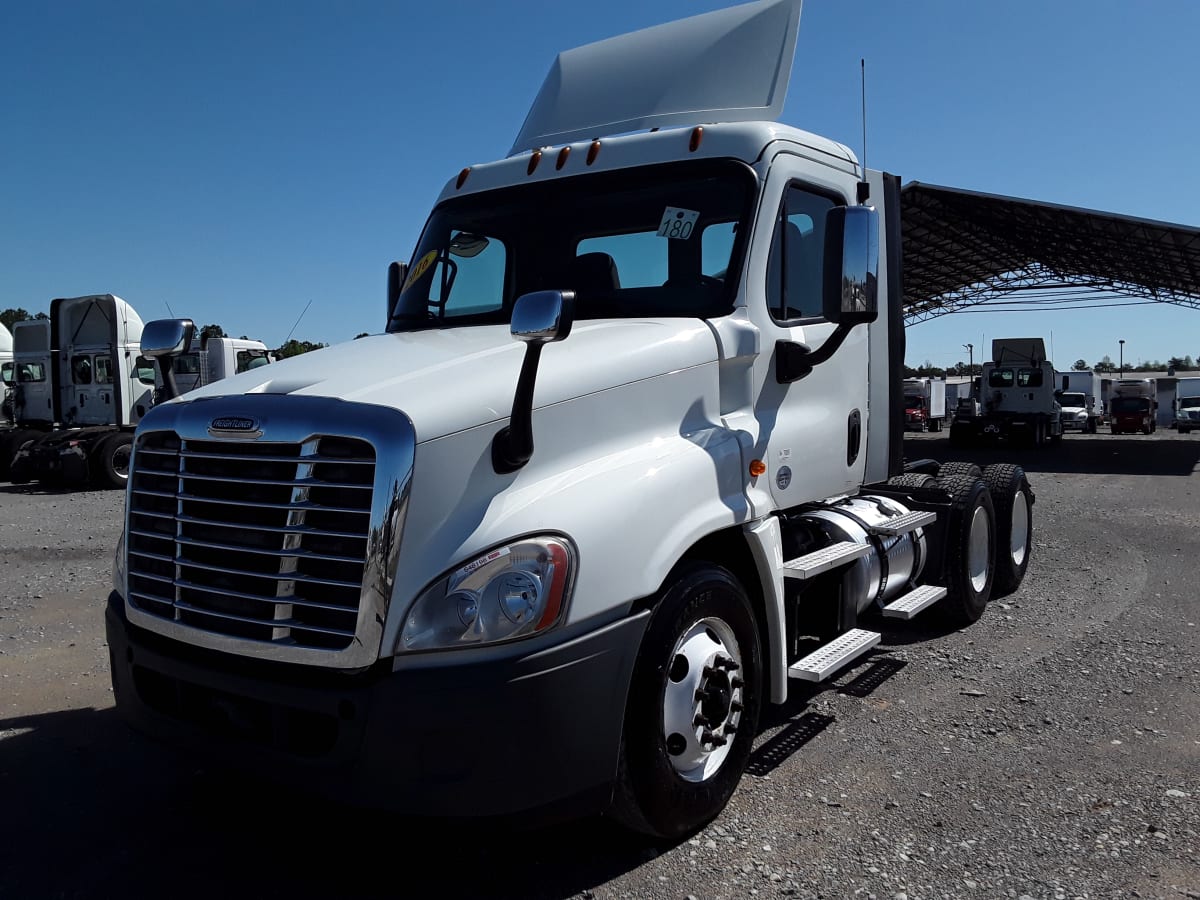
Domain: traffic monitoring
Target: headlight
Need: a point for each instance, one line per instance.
(511, 592)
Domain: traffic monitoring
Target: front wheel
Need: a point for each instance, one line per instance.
(693, 706)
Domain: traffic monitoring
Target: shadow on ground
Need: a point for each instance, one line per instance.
(91, 809)
(1099, 454)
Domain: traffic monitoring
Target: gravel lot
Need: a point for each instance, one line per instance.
(1052, 750)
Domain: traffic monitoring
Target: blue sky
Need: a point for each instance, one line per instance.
(236, 160)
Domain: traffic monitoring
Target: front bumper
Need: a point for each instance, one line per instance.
(530, 729)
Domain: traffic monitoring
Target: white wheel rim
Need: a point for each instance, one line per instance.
(702, 700)
(1019, 535)
(980, 548)
(120, 461)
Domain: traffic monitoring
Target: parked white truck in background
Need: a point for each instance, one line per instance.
(355, 571)
(1187, 404)
(1133, 405)
(1017, 398)
(214, 358)
(8, 378)
(924, 403)
(97, 393)
(1078, 395)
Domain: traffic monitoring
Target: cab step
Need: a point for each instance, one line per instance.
(914, 601)
(910, 521)
(830, 557)
(824, 661)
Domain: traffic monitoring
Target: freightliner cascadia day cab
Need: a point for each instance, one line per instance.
(625, 465)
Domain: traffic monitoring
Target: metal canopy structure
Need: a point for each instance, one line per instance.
(963, 248)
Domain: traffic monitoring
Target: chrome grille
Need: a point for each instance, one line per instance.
(264, 541)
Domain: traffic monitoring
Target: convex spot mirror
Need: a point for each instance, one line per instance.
(167, 337)
(543, 317)
(850, 292)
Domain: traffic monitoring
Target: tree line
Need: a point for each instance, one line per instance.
(1104, 365)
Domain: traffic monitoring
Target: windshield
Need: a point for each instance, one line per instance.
(913, 401)
(659, 241)
(1189, 403)
(1130, 404)
(1072, 400)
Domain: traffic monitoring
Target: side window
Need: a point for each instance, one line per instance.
(6, 373)
(144, 367)
(188, 364)
(1001, 378)
(30, 373)
(81, 370)
(469, 278)
(103, 370)
(794, 269)
(250, 359)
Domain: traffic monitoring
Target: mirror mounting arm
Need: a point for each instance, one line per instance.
(794, 360)
(538, 319)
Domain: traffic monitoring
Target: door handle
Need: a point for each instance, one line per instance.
(853, 436)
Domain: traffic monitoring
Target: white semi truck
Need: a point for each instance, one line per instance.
(97, 389)
(1187, 404)
(211, 359)
(925, 403)
(8, 378)
(1078, 395)
(1017, 398)
(626, 465)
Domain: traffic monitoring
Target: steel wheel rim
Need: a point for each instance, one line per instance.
(979, 549)
(702, 699)
(120, 462)
(1019, 536)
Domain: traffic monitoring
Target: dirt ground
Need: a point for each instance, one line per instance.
(1051, 750)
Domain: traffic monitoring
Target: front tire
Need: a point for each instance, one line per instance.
(693, 706)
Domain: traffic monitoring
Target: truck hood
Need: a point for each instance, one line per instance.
(447, 380)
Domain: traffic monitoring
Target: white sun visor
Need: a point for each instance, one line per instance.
(731, 65)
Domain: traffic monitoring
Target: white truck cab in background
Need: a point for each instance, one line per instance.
(1187, 404)
(627, 462)
(210, 359)
(1079, 395)
(1017, 398)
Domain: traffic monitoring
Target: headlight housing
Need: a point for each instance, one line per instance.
(511, 592)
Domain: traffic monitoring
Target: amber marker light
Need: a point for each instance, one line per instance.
(697, 137)
(462, 177)
(757, 467)
(593, 152)
(562, 157)
(533, 161)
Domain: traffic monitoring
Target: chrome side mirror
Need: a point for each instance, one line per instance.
(850, 295)
(167, 337)
(543, 317)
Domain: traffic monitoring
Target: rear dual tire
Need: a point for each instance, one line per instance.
(1012, 501)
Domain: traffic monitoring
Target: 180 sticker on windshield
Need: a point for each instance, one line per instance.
(677, 224)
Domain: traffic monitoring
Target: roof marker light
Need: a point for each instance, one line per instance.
(757, 467)
(562, 157)
(593, 152)
(462, 177)
(697, 137)
(533, 161)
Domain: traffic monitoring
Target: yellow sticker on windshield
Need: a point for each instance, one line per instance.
(420, 269)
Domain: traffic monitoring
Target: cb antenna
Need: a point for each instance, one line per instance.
(298, 318)
(171, 311)
(864, 189)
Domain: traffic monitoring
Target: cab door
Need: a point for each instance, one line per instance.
(90, 392)
(812, 433)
